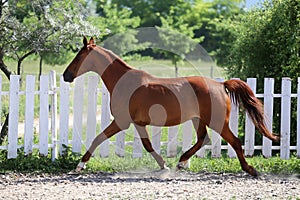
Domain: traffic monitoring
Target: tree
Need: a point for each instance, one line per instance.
(205, 13)
(150, 11)
(117, 27)
(45, 27)
(176, 38)
(264, 42)
(38, 27)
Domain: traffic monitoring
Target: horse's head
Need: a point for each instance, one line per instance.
(80, 63)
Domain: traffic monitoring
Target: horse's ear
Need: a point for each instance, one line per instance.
(92, 42)
(85, 42)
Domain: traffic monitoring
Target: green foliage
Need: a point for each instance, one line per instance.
(175, 35)
(36, 163)
(42, 27)
(150, 11)
(117, 27)
(68, 162)
(263, 42)
(205, 13)
(273, 165)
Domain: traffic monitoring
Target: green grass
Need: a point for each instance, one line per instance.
(36, 164)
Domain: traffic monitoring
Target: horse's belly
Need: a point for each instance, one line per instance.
(163, 113)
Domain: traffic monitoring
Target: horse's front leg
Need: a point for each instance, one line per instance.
(112, 129)
(148, 146)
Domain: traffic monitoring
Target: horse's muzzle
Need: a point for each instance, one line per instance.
(68, 76)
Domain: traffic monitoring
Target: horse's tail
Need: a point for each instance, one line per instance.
(241, 92)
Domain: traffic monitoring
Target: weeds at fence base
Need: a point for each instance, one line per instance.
(36, 163)
(64, 164)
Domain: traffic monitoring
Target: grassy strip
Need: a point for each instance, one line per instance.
(113, 163)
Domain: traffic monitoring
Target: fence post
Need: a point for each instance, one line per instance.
(120, 144)
(91, 124)
(216, 139)
(105, 120)
(268, 110)
(44, 114)
(172, 141)
(13, 116)
(187, 137)
(78, 114)
(156, 137)
(29, 114)
(249, 126)
(0, 101)
(64, 111)
(53, 115)
(298, 119)
(137, 147)
(234, 126)
(285, 118)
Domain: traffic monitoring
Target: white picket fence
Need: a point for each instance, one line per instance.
(75, 120)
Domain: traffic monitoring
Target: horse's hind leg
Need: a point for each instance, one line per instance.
(237, 146)
(112, 129)
(148, 146)
(202, 139)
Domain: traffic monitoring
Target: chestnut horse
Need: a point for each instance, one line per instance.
(142, 99)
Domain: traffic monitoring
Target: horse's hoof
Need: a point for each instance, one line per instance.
(165, 168)
(80, 166)
(252, 171)
(182, 165)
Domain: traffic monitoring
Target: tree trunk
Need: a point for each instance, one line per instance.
(176, 70)
(21, 60)
(7, 73)
(41, 66)
(4, 130)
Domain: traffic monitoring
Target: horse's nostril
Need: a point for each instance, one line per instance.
(68, 76)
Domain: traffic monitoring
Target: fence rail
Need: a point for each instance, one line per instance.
(85, 116)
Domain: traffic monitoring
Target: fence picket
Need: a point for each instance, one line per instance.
(105, 120)
(44, 115)
(120, 144)
(46, 136)
(187, 137)
(0, 101)
(298, 119)
(14, 88)
(249, 126)
(29, 114)
(285, 118)
(137, 151)
(172, 141)
(53, 115)
(201, 152)
(91, 123)
(64, 115)
(156, 137)
(78, 114)
(234, 126)
(268, 111)
(216, 139)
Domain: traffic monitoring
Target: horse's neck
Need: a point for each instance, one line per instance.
(113, 73)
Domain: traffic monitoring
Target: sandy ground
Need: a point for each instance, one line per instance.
(148, 185)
